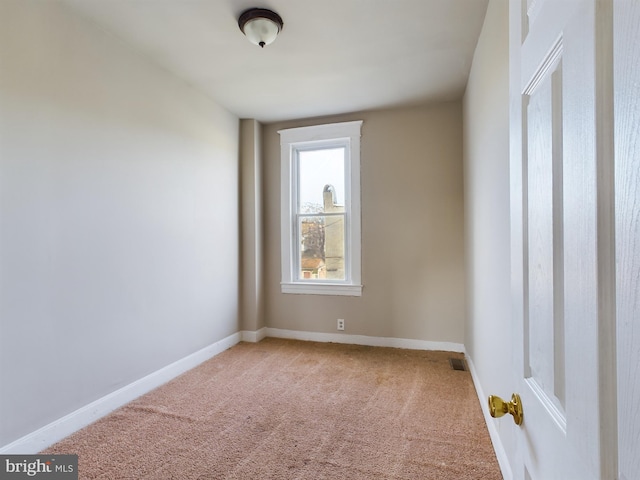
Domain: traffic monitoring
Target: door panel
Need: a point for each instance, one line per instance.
(544, 346)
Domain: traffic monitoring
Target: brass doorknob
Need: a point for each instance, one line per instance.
(498, 407)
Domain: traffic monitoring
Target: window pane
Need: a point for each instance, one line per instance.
(321, 177)
(321, 247)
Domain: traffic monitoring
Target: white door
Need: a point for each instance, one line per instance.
(562, 238)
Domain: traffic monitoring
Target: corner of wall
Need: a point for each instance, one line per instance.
(251, 226)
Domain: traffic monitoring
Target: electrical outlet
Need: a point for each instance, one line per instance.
(341, 324)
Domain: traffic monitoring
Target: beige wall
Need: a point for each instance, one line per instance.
(119, 208)
(412, 230)
(488, 333)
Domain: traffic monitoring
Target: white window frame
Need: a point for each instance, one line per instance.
(345, 134)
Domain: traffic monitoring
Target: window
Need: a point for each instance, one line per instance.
(321, 209)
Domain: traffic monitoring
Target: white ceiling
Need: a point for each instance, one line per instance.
(333, 56)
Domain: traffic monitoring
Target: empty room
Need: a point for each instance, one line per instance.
(340, 239)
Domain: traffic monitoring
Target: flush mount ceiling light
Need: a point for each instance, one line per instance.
(261, 26)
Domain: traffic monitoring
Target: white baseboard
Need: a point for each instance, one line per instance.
(364, 340)
(65, 426)
(501, 454)
(253, 336)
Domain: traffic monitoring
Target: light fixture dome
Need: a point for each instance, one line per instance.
(261, 26)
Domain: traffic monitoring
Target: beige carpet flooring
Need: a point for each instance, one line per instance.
(284, 409)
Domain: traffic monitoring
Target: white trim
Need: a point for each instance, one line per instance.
(315, 133)
(253, 336)
(65, 426)
(498, 447)
(365, 340)
(322, 289)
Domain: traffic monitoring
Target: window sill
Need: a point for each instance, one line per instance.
(322, 289)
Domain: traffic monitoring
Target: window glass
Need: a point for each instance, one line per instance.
(316, 170)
